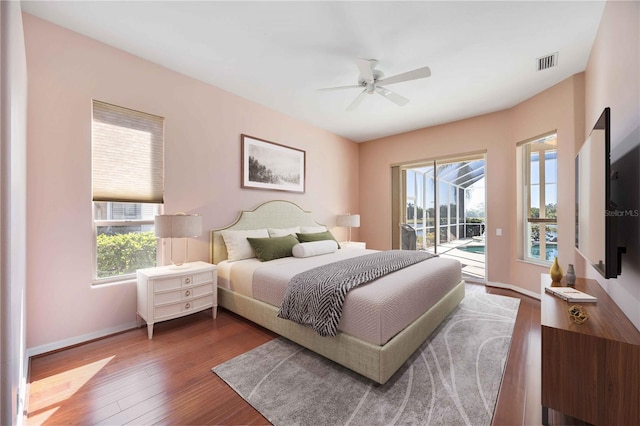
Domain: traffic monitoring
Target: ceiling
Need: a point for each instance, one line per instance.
(482, 55)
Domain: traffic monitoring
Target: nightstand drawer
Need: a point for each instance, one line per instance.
(202, 303)
(160, 299)
(205, 277)
(168, 284)
(182, 308)
(202, 290)
(186, 281)
(170, 310)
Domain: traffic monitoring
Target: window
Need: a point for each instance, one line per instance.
(540, 180)
(124, 241)
(128, 180)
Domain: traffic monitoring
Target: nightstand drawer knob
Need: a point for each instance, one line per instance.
(187, 293)
(187, 306)
(187, 280)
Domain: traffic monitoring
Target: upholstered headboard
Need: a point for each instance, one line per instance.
(272, 214)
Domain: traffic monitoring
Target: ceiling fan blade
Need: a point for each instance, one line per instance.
(357, 100)
(328, 89)
(406, 76)
(393, 97)
(366, 66)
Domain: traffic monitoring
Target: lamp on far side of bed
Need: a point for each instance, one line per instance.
(179, 225)
(349, 221)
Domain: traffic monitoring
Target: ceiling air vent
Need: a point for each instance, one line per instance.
(548, 61)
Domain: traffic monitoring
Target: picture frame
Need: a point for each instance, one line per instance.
(272, 166)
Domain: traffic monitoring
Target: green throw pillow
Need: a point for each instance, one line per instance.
(317, 236)
(273, 248)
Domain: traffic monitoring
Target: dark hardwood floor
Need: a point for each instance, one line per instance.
(127, 378)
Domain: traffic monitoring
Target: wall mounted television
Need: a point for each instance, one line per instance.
(596, 234)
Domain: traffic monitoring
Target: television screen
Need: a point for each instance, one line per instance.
(596, 238)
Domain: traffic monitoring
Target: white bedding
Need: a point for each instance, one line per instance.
(373, 312)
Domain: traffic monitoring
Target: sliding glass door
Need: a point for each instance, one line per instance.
(443, 210)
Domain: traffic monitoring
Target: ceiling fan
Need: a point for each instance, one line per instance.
(371, 80)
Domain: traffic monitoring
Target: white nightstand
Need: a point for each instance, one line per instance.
(353, 245)
(168, 292)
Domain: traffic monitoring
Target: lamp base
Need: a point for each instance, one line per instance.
(179, 259)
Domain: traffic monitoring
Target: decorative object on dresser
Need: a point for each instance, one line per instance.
(571, 276)
(590, 371)
(578, 314)
(555, 272)
(269, 165)
(179, 225)
(348, 221)
(166, 293)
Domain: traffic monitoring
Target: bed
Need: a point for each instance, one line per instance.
(375, 337)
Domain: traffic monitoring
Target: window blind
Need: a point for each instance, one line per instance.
(127, 155)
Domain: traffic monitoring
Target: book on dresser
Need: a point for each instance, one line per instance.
(571, 295)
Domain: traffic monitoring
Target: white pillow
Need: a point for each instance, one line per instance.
(238, 246)
(312, 229)
(283, 232)
(314, 248)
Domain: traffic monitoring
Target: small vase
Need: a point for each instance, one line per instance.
(571, 276)
(555, 272)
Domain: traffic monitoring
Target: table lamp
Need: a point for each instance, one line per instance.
(349, 221)
(179, 225)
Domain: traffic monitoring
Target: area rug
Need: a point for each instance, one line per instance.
(453, 378)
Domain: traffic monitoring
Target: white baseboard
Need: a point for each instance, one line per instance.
(515, 288)
(61, 344)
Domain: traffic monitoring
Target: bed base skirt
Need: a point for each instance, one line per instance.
(376, 362)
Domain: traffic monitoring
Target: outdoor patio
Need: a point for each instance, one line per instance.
(470, 253)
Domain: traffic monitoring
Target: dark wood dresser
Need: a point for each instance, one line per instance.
(590, 371)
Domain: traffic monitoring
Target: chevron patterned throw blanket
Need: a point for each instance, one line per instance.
(315, 297)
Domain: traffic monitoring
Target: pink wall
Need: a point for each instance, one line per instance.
(497, 133)
(559, 108)
(202, 155)
(612, 79)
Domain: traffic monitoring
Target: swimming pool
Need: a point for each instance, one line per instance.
(551, 250)
(472, 249)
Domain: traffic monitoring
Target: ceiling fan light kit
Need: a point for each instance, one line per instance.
(371, 79)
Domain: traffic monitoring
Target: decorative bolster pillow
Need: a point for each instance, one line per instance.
(314, 248)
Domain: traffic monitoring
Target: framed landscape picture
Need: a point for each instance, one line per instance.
(268, 165)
